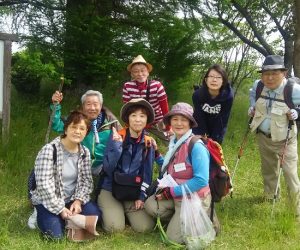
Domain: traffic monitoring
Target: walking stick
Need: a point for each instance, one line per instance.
(240, 153)
(53, 111)
(280, 165)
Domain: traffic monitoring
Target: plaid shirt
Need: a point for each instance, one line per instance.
(49, 191)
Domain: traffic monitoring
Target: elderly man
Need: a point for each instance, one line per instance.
(151, 90)
(271, 118)
(101, 119)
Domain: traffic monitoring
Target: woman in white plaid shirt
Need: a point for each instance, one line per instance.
(64, 184)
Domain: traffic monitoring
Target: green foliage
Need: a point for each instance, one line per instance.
(245, 218)
(28, 69)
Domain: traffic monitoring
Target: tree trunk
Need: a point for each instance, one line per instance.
(297, 39)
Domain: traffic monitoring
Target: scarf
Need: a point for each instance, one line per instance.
(173, 146)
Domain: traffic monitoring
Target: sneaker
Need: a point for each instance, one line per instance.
(32, 220)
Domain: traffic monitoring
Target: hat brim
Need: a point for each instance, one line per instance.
(167, 118)
(148, 65)
(271, 68)
(138, 102)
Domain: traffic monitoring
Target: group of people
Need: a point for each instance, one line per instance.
(121, 159)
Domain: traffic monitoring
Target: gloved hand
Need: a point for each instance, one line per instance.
(251, 111)
(163, 193)
(293, 114)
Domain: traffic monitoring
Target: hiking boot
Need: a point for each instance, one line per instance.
(32, 220)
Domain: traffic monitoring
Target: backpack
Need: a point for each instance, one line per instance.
(219, 177)
(287, 95)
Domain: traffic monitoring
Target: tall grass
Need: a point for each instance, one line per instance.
(246, 219)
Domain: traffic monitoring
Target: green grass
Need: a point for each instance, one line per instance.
(245, 218)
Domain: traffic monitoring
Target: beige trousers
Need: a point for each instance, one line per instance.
(169, 210)
(269, 153)
(114, 212)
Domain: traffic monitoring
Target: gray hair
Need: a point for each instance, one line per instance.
(90, 93)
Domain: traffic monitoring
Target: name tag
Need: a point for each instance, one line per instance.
(276, 111)
(179, 167)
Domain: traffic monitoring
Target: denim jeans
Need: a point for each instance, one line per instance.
(52, 225)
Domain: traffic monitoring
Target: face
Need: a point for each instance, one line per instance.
(272, 78)
(91, 107)
(214, 80)
(139, 72)
(75, 133)
(180, 125)
(137, 120)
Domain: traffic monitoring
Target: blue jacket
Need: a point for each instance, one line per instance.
(212, 114)
(130, 157)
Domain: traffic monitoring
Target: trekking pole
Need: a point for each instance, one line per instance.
(280, 164)
(53, 111)
(240, 153)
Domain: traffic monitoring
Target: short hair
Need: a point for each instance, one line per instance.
(91, 93)
(75, 117)
(134, 108)
(221, 71)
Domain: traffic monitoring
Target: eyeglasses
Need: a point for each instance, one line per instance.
(215, 77)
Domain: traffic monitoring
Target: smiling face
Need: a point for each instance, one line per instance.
(214, 80)
(180, 125)
(91, 107)
(272, 78)
(75, 133)
(139, 72)
(137, 120)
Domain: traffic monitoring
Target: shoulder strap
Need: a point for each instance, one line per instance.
(192, 142)
(54, 154)
(287, 93)
(259, 89)
(148, 91)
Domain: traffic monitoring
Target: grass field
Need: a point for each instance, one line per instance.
(245, 218)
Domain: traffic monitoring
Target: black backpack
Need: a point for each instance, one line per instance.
(287, 95)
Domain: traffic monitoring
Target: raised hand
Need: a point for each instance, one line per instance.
(116, 136)
(57, 97)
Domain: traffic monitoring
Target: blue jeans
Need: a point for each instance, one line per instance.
(52, 225)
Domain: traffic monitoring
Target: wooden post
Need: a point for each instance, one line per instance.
(6, 88)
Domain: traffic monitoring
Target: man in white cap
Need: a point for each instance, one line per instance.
(151, 90)
(271, 119)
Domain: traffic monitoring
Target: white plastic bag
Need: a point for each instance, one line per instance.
(196, 227)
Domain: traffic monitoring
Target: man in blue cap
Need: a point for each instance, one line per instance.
(271, 119)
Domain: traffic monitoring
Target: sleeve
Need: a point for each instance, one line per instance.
(85, 185)
(200, 164)
(296, 94)
(45, 180)
(252, 94)
(161, 93)
(125, 96)
(57, 122)
(199, 115)
(112, 155)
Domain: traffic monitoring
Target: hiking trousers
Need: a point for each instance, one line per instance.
(114, 214)
(169, 211)
(269, 153)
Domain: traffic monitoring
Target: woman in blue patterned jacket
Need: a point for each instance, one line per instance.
(63, 178)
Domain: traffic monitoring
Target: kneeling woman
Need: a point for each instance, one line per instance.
(194, 173)
(129, 156)
(63, 178)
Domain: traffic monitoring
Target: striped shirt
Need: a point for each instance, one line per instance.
(157, 96)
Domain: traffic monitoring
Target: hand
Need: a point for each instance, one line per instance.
(251, 111)
(57, 97)
(65, 213)
(292, 114)
(163, 194)
(75, 208)
(139, 204)
(116, 136)
(154, 144)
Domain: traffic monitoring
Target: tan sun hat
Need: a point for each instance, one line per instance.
(139, 59)
(137, 102)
